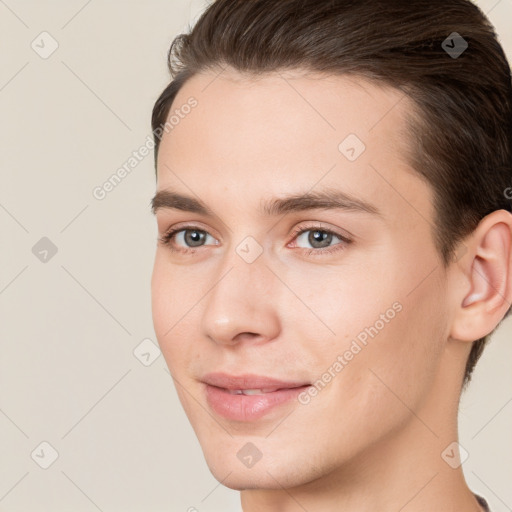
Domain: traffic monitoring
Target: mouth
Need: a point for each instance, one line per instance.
(248, 398)
(252, 391)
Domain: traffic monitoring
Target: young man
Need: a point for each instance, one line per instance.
(334, 244)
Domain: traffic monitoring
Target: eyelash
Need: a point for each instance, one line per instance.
(167, 238)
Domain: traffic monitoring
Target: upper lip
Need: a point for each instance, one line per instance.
(248, 381)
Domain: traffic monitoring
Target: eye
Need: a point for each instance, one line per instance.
(191, 236)
(320, 239)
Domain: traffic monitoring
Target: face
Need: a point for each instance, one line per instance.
(310, 269)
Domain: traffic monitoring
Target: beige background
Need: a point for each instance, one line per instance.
(69, 326)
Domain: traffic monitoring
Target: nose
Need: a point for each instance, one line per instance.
(242, 304)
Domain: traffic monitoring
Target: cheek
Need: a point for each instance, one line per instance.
(168, 312)
(391, 341)
(399, 361)
(346, 304)
(172, 297)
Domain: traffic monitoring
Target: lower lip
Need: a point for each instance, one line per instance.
(248, 407)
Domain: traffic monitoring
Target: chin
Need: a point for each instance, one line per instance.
(240, 479)
(267, 473)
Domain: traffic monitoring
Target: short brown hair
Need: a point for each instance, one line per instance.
(462, 127)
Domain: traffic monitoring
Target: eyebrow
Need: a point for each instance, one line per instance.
(327, 199)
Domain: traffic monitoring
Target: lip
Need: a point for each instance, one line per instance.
(248, 381)
(239, 407)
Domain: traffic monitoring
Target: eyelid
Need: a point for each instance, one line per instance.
(320, 226)
(192, 225)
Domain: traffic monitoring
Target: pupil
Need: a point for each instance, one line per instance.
(318, 236)
(194, 238)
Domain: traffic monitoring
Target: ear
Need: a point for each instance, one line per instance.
(487, 276)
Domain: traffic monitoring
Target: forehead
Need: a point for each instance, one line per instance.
(292, 130)
(313, 105)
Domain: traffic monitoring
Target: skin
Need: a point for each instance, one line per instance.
(372, 438)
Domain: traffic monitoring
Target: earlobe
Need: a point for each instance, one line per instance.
(489, 271)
